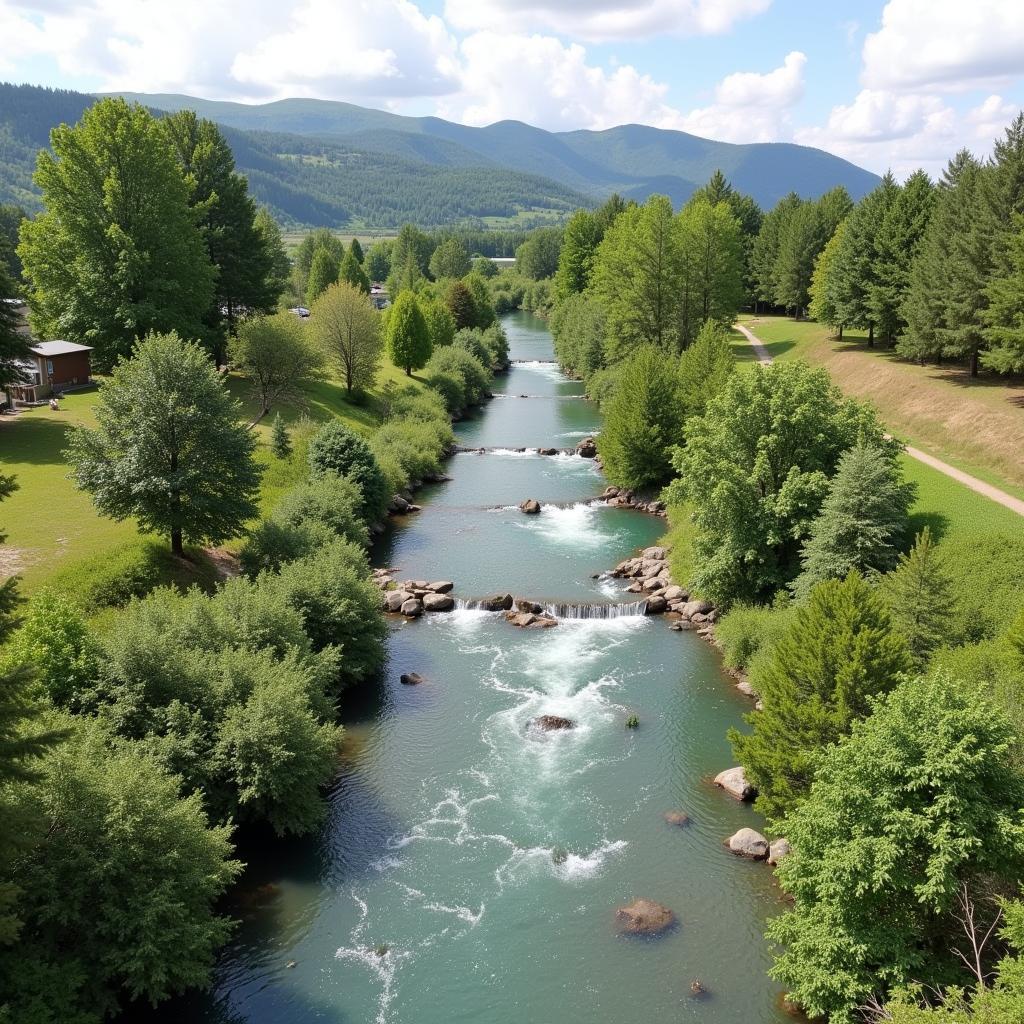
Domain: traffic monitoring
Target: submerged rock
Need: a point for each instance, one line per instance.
(677, 818)
(748, 843)
(549, 723)
(644, 917)
(411, 679)
(734, 782)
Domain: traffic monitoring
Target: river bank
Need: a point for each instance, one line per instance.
(471, 865)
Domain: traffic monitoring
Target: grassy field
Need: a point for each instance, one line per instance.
(53, 528)
(975, 425)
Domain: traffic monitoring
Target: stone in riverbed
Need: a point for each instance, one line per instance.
(778, 849)
(610, 492)
(587, 448)
(411, 679)
(674, 593)
(547, 451)
(398, 505)
(656, 604)
(692, 608)
(438, 602)
(441, 587)
(652, 583)
(413, 608)
(394, 599)
(530, 506)
(734, 782)
(644, 917)
(677, 818)
(748, 843)
(497, 603)
(524, 604)
(551, 723)
(656, 553)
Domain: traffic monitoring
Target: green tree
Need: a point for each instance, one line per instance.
(459, 300)
(411, 246)
(351, 272)
(838, 651)
(320, 238)
(580, 240)
(125, 861)
(357, 251)
(705, 368)
(801, 238)
(919, 593)
(168, 448)
(14, 345)
(9, 596)
(440, 322)
(825, 290)
(347, 328)
(1004, 314)
(11, 217)
(116, 253)
(226, 214)
(336, 449)
(712, 279)
(919, 801)
(644, 418)
(756, 468)
(450, 259)
(537, 258)
(323, 272)
(280, 442)
(764, 252)
(637, 270)
(578, 328)
(273, 243)
(863, 520)
(408, 337)
(276, 354)
(378, 261)
(483, 308)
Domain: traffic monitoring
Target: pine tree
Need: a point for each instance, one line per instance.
(825, 285)
(1004, 315)
(408, 338)
(14, 346)
(919, 593)
(711, 284)
(352, 273)
(765, 250)
(357, 251)
(280, 442)
(705, 368)
(323, 272)
(862, 522)
(800, 240)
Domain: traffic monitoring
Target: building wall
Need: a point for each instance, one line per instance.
(71, 368)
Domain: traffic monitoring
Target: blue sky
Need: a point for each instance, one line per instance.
(898, 84)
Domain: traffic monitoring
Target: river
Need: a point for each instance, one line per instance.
(469, 871)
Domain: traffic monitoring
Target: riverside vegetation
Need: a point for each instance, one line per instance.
(887, 657)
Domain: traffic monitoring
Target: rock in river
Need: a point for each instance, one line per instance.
(497, 603)
(438, 602)
(734, 782)
(587, 448)
(413, 608)
(411, 679)
(549, 723)
(394, 599)
(677, 818)
(748, 843)
(531, 506)
(644, 917)
(441, 587)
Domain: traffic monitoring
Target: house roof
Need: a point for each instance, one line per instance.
(58, 348)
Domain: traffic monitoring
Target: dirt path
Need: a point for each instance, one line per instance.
(976, 485)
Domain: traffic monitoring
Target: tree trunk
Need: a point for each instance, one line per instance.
(974, 362)
(408, 371)
(840, 332)
(176, 545)
(871, 336)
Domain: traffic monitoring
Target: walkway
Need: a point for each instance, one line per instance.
(976, 485)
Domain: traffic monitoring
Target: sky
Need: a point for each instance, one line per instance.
(895, 85)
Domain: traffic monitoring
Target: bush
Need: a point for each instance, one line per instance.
(986, 572)
(336, 449)
(113, 578)
(602, 384)
(272, 543)
(449, 385)
(330, 501)
(746, 630)
(496, 341)
(577, 326)
(414, 444)
(471, 340)
(454, 362)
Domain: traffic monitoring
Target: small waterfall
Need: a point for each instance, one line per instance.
(621, 610)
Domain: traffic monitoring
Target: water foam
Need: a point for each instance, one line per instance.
(574, 525)
(554, 862)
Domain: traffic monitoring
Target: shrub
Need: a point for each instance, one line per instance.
(746, 630)
(414, 444)
(471, 340)
(331, 501)
(336, 449)
(272, 543)
(496, 341)
(449, 385)
(454, 362)
(986, 572)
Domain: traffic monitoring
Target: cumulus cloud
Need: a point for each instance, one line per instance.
(603, 20)
(750, 107)
(990, 118)
(944, 44)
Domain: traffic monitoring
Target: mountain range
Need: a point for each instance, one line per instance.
(321, 162)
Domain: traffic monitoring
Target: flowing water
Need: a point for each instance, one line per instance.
(471, 866)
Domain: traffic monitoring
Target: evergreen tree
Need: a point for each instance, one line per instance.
(919, 593)
(336, 449)
(801, 238)
(168, 449)
(1004, 314)
(459, 300)
(815, 682)
(280, 442)
(244, 279)
(712, 281)
(319, 238)
(862, 522)
(483, 310)
(357, 251)
(378, 262)
(765, 249)
(410, 253)
(273, 243)
(408, 337)
(450, 259)
(323, 272)
(576, 259)
(14, 345)
(351, 272)
(705, 368)
(833, 208)
(116, 253)
(644, 419)
(825, 285)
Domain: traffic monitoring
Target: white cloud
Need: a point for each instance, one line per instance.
(603, 20)
(750, 107)
(990, 117)
(945, 44)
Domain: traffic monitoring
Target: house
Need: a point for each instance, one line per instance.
(52, 367)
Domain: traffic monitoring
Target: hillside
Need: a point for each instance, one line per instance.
(318, 162)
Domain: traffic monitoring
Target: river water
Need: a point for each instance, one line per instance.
(470, 869)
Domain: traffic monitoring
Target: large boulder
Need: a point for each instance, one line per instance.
(394, 599)
(734, 782)
(656, 604)
(530, 506)
(692, 608)
(524, 604)
(497, 603)
(398, 505)
(674, 593)
(552, 723)
(778, 849)
(656, 554)
(442, 587)
(413, 608)
(652, 583)
(438, 602)
(748, 843)
(587, 448)
(644, 917)
(411, 679)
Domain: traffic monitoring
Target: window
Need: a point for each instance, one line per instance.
(49, 367)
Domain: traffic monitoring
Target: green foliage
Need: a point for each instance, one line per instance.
(440, 322)
(14, 346)
(280, 442)
(580, 240)
(704, 368)
(9, 596)
(351, 272)
(348, 329)
(483, 310)
(917, 802)
(323, 272)
(336, 449)
(825, 289)
(328, 500)
(116, 254)
(378, 261)
(756, 468)
(277, 355)
(1005, 313)
(919, 593)
(986, 573)
(837, 651)
(538, 257)
(168, 449)
(460, 378)
(578, 328)
(747, 630)
(357, 251)
(407, 334)
(644, 418)
(459, 300)
(450, 259)
(863, 520)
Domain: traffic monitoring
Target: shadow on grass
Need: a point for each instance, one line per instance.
(935, 521)
(33, 440)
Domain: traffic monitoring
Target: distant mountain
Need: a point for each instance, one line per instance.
(319, 162)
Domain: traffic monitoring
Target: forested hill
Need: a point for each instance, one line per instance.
(315, 162)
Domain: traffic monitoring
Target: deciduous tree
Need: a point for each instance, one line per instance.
(408, 338)
(347, 328)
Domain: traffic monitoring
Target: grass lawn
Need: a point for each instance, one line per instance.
(52, 527)
(975, 425)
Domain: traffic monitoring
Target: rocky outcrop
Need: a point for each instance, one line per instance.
(412, 609)
(394, 599)
(547, 451)
(441, 587)
(644, 917)
(734, 782)
(587, 448)
(748, 842)
(677, 818)
(552, 723)
(438, 602)
(656, 604)
(531, 506)
(497, 603)
(778, 849)
(414, 597)
(620, 497)
(411, 679)
(531, 620)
